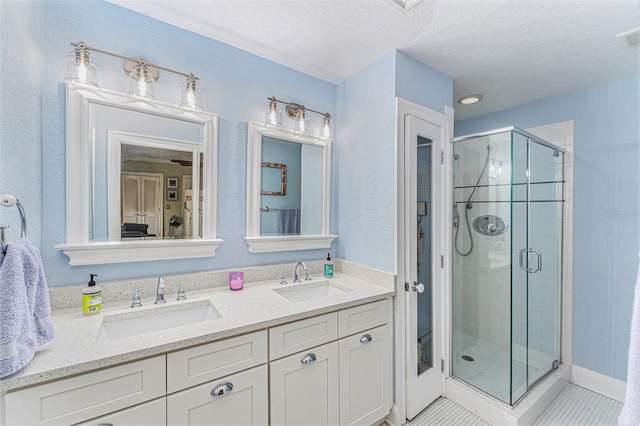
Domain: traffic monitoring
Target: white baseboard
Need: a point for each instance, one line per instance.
(597, 382)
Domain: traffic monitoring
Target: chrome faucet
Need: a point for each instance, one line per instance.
(296, 274)
(160, 291)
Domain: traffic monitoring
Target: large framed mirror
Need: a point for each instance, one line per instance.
(295, 218)
(141, 179)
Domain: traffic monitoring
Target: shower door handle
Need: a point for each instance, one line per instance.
(539, 268)
(525, 252)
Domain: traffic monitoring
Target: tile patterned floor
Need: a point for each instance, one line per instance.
(575, 406)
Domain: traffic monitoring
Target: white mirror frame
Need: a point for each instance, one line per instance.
(80, 249)
(259, 243)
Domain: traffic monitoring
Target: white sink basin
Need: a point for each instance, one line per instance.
(309, 291)
(163, 317)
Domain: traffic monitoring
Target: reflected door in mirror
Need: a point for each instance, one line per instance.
(141, 204)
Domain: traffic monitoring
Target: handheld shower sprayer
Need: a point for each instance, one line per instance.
(469, 206)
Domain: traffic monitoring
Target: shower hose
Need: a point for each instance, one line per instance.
(469, 206)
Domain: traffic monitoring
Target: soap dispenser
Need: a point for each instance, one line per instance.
(328, 267)
(91, 298)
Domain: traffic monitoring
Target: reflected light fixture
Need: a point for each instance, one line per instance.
(470, 99)
(80, 66)
(297, 112)
(143, 74)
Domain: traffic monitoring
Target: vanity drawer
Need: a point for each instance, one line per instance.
(364, 317)
(304, 334)
(87, 396)
(200, 364)
(152, 413)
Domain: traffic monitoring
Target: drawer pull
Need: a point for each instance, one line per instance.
(366, 338)
(222, 389)
(308, 359)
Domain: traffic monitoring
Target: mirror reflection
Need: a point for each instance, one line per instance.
(156, 193)
(295, 209)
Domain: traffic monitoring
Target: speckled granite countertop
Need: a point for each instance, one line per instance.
(256, 307)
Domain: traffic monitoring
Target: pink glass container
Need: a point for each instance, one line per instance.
(236, 281)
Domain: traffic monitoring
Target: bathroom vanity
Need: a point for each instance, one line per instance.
(313, 352)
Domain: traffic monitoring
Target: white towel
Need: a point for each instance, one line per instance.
(630, 414)
(25, 312)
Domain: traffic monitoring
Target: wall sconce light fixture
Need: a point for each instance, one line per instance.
(297, 112)
(143, 74)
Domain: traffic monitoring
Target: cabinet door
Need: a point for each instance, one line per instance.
(239, 399)
(153, 413)
(304, 387)
(365, 376)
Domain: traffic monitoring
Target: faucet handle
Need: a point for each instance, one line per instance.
(181, 293)
(283, 278)
(136, 302)
(308, 274)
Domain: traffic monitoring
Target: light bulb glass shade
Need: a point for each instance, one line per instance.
(142, 83)
(273, 115)
(326, 128)
(81, 68)
(191, 98)
(301, 122)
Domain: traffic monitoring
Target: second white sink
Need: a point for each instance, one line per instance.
(163, 317)
(309, 291)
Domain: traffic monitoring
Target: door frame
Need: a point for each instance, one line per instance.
(445, 123)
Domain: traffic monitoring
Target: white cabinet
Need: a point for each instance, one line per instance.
(90, 395)
(238, 399)
(153, 413)
(365, 376)
(304, 387)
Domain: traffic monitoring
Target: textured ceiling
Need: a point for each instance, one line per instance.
(510, 51)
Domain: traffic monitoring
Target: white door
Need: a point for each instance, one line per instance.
(424, 221)
(142, 200)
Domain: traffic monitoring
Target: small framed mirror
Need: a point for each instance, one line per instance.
(273, 182)
(288, 190)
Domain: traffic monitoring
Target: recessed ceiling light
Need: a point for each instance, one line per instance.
(470, 99)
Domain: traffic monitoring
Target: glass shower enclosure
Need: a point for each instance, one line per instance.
(508, 195)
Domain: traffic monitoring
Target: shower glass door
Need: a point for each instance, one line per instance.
(545, 209)
(507, 257)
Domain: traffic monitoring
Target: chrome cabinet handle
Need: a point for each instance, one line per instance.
(222, 388)
(366, 338)
(419, 287)
(308, 359)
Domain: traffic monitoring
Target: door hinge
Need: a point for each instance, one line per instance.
(442, 156)
(442, 261)
(442, 365)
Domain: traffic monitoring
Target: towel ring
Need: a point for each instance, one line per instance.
(8, 200)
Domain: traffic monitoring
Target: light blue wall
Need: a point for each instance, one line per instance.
(421, 84)
(606, 210)
(21, 115)
(234, 84)
(365, 172)
(366, 151)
